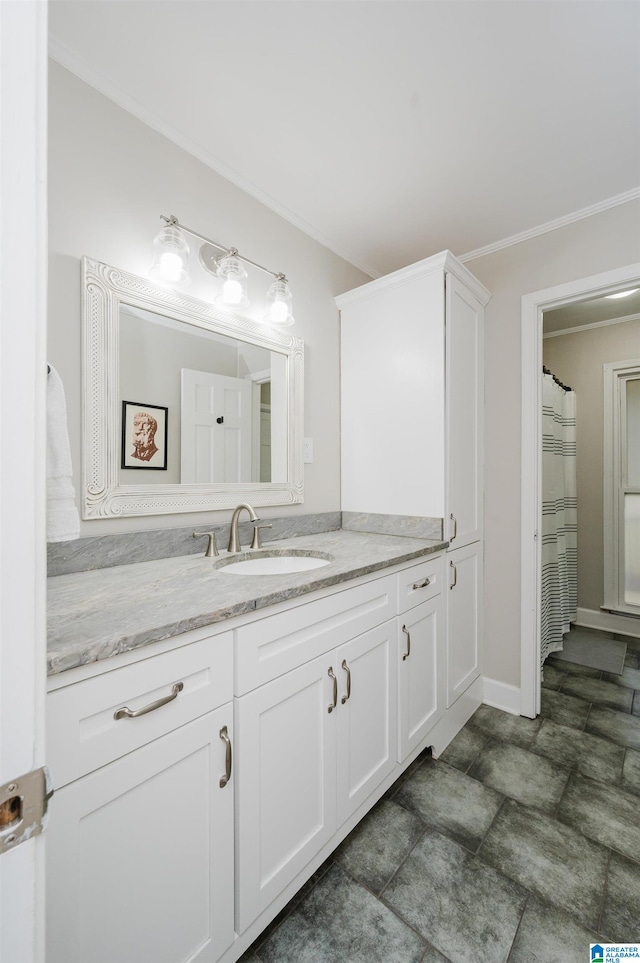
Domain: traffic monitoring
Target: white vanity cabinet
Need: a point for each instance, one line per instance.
(314, 743)
(140, 863)
(464, 619)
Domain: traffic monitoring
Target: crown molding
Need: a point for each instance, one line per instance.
(606, 205)
(592, 324)
(67, 59)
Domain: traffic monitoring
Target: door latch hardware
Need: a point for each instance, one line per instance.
(23, 807)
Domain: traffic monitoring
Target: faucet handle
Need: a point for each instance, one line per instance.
(212, 548)
(255, 541)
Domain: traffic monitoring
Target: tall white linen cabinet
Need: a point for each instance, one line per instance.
(412, 425)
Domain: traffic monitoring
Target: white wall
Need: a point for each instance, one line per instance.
(599, 243)
(110, 178)
(577, 359)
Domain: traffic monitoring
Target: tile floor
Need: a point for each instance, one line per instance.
(521, 843)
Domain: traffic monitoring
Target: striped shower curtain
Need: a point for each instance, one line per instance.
(559, 516)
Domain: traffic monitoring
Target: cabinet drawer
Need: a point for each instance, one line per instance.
(83, 734)
(269, 647)
(419, 583)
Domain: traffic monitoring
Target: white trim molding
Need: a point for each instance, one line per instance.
(501, 695)
(609, 622)
(533, 306)
(598, 208)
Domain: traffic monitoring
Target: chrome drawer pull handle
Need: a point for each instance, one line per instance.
(408, 635)
(332, 675)
(455, 526)
(125, 713)
(455, 575)
(419, 585)
(348, 671)
(224, 735)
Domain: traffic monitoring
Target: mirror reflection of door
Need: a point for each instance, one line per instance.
(215, 428)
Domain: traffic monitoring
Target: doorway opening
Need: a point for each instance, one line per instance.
(533, 307)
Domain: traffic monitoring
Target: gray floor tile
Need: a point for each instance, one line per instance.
(553, 675)
(466, 909)
(630, 677)
(636, 703)
(633, 644)
(502, 725)
(631, 771)
(451, 802)
(549, 858)
(548, 935)
(341, 920)
(616, 726)
(600, 691)
(566, 710)
(518, 773)
(588, 754)
(249, 957)
(621, 913)
(632, 659)
(462, 751)
(610, 817)
(572, 667)
(377, 846)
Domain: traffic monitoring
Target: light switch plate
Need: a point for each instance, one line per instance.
(308, 451)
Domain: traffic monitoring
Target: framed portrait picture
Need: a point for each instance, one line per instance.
(144, 436)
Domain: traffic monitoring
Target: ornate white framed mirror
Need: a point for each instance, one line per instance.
(185, 408)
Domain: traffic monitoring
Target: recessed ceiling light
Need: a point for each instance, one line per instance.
(622, 294)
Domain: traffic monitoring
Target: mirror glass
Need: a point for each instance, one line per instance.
(186, 408)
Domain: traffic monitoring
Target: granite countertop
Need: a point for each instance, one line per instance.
(98, 614)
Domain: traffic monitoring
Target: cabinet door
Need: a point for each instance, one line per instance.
(464, 415)
(464, 624)
(285, 781)
(422, 674)
(366, 715)
(140, 855)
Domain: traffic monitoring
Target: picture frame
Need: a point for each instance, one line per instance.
(144, 436)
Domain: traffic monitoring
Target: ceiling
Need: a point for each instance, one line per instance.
(388, 130)
(593, 311)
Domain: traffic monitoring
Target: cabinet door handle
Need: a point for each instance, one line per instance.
(125, 713)
(348, 671)
(224, 735)
(332, 675)
(419, 585)
(408, 635)
(455, 575)
(455, 526)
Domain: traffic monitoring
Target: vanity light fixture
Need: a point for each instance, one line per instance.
(170, 265)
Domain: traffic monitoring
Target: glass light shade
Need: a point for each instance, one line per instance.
(170, 257)
(234, 283)
(279, 303)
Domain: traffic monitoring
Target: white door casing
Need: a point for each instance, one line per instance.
(23, 296)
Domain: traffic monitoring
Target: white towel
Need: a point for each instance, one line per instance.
(63, 521)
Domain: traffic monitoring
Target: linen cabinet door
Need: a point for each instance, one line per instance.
(140, 854)
(286, 784)
(464, 619)
(422, 673)
(367, 715)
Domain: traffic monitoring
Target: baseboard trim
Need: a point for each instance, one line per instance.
(500, 695)
(606, 622)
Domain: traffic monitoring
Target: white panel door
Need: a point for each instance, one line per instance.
(422, 673)
(464, 415)
(464, 619)
(286, 783)
(140, 855)
(367, 715)
(215, 428)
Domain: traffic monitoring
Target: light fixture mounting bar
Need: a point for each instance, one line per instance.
(173, 221)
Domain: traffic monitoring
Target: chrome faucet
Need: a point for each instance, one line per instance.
(234, 537)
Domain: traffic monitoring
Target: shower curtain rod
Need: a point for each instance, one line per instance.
(557, 380)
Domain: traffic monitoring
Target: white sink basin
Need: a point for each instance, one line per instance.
(271, 564)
